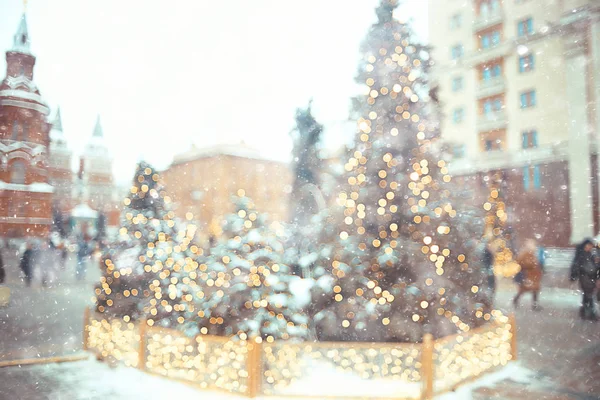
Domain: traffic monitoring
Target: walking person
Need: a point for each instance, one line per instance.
(82, 255)
(488, 266)
(46, 264)
(2, 271)
(26, 263)
(586, 268)
(531, 273)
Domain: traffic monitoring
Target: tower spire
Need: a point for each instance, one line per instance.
(57, 123)
(98, 128)
(21, 41)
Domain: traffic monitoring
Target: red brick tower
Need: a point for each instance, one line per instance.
(25, 195)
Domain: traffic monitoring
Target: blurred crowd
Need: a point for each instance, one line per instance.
(41, 261)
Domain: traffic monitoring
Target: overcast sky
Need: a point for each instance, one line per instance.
(163, 74)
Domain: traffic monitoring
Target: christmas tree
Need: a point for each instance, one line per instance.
(149, 275)
(401, 268)
(247, 286)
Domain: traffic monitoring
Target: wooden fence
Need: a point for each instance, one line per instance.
(352, 370)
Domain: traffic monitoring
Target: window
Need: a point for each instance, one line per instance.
(528, 99)
(16, 207)
(525, 27)
(458, 115)
(459, 151)
(485, 42)
(15, 130)
(25, 131)
(18, 172)
(488, 7)
(526, 63)
(490, 39)
(532, 178)
(456, 21)
(490, 72)
(457, 52)
(457, 83)
(530, 139)
(537, 177)
(493, 140)
(495, 38)
(492, 105)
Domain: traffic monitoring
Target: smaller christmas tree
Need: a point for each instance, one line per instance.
(248, 287)
(148, 275)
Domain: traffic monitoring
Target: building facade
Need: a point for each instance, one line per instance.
(25, 194)
(36, 170)
(203, 181)
(519, 82)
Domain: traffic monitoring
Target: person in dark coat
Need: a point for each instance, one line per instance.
(27, 263)
(2, 272)
(488, 266)
(586, 268)
(83, 252)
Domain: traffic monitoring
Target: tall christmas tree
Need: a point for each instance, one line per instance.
(401, 267)
(147, 276)
(247, 286)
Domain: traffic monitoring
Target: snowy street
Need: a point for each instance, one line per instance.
(556, 350)
(44, 322)
(341, 199)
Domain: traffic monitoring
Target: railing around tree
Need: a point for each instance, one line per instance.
(307, 369)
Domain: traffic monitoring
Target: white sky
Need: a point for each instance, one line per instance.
(163, 74)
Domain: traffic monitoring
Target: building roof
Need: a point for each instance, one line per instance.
(240, 150)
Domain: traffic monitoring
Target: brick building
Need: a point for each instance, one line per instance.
(36, 172)
(25, 194)
(202, 181)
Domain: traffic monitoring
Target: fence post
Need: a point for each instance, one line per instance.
(513, 340)
(86, 331)
(254, 366)
(427, 366)
(142, 350)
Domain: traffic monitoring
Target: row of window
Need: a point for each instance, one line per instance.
(527, 99)
(488, 39)
(526, 64)
(529, 141)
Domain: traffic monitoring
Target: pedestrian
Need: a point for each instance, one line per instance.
(27, 263)
(531, 277)
(82, 255)
(488, 265)
(585, 267)
(2, 271)
(46, 263)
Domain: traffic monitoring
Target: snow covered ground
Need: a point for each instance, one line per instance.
(93, 380)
